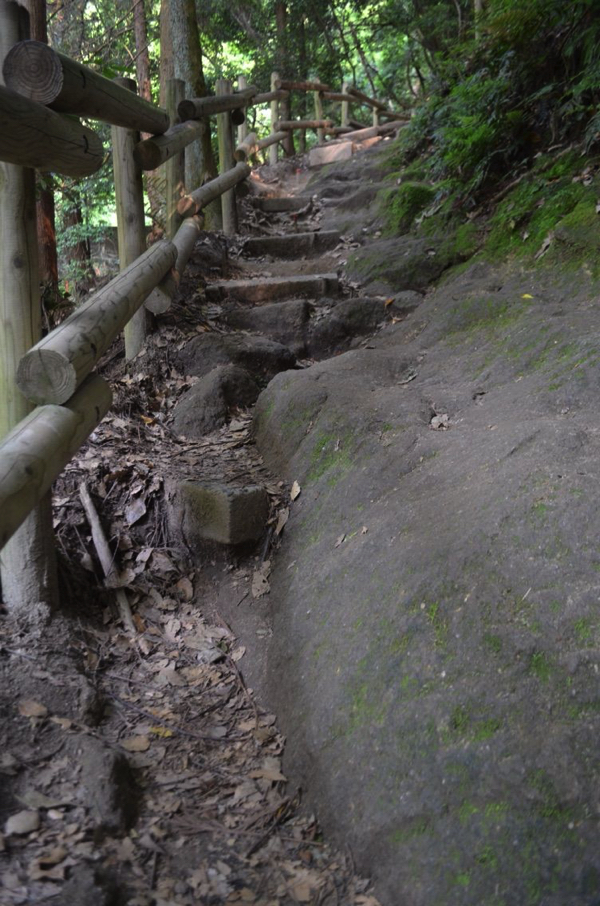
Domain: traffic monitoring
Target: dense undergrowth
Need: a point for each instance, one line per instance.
(528, 81)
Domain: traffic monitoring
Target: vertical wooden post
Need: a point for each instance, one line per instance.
(175, 167)
(375, 116)
(345, 106)
(226, 161)
(131, 230)
(28, 560)
(319, 115)
(273, 150)
(242, 130)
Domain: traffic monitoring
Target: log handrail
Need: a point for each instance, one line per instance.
(44, 75)
(34, 136)
(56, 373)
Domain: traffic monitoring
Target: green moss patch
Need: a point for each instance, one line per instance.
(400, 205)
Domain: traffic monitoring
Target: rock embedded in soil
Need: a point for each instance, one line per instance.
(262, 357)
(208, 404)
(217, 512)
(292, 245)
(107, 782)
(284, 322)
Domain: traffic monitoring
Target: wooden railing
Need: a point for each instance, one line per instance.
(41, 86)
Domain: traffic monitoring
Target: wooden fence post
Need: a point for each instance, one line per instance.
(242, 129)
(345, 106)
(273, 150)
(28, 560)
(131, 230)
(175, 166)
(226, 161)
(319, 115)
(375, 116)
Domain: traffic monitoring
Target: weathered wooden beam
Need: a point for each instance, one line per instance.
(41, 74)
(247, 147)
(226, 160)
(28, 561)
(131, 230)
(371, 102)
(274, 152)
(370, 132)
(273, 139)
(175, 168)
(33, 136)
(303, 124)
(198, 108)
(54, 368)
(242, 131)
(345, 106)
(318, 103)
(158, 149)
(287, 85)
(339, 96)
(36, 451)
(267, 97)
(160, 299)
(200, 198)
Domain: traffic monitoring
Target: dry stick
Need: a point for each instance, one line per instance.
(106, 558)
(38, 72)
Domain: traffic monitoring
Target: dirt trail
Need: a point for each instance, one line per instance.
(142, 770)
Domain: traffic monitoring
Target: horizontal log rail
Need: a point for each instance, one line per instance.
(36, 451)
(267, 96)
(53, 369)
(287, 85)
(371, 102)
(195, 202)
(42, 74)
(303, 124)
(158, 149)
(56, 373)
(198, 108)
(33, 136)
(160, 299)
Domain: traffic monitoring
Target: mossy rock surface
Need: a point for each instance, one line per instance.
(435, 597)
(401, 204)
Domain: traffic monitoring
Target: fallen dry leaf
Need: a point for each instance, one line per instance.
(136, 744)
(30, 708)
(22, 823)
(296, 491)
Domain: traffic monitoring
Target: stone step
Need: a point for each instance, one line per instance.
(292, 245)
(270, 289)
(284, 204)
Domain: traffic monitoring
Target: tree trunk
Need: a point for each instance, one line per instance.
(187, 65)
(283, 66)
(27, 561)
(77, 253)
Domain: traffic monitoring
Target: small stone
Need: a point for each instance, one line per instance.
(214, 512)
(22, 823)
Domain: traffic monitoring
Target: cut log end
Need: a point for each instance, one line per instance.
(45, 376)
(34, 70)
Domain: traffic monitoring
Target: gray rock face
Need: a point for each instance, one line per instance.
(339, 326)
(111, 792)
(436, 643)
(283, 322)
(405, 263)
(207, 405)
(263, 357)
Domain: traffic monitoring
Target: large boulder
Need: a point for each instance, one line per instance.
(263, 357)
(284, 322)
(435, 652)
(207, 405)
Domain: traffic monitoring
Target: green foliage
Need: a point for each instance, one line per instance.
(401, 205)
